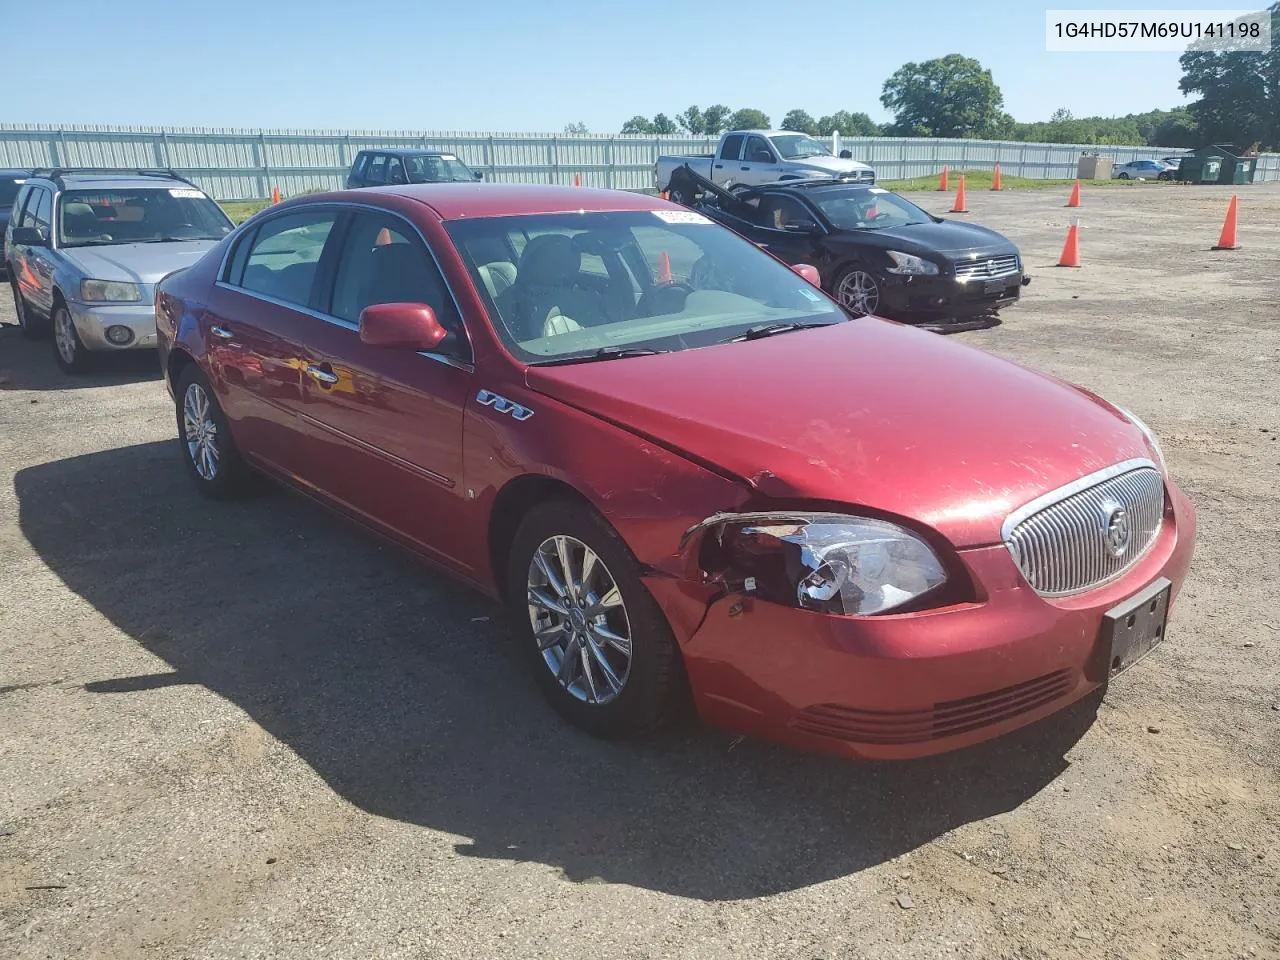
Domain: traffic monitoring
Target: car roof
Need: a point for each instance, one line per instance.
(116, 181)
(15, 172)
(457, 201)
(410, 151)
(807, 185)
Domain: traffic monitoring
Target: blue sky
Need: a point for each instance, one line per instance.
(524, 65)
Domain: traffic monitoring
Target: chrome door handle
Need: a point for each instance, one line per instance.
(221, 332)
(320, 375)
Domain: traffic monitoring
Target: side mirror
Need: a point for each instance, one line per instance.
(478, 175)
(28, 237)
(762, 156)
(846, 154)
(809, 272)
(800, 226)
(401, 326)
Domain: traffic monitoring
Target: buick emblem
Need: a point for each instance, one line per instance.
(1116, 528)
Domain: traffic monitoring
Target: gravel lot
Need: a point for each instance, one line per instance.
(251, 731)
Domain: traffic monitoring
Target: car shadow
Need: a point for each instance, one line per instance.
(29, 365)
(403, 692)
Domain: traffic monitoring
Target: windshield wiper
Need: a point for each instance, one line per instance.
(177, 239)
(604, 353)
(770, 329)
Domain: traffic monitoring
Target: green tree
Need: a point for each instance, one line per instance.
(578, 128)
(849, 124)
(715, 119)
(951, 96)
(638, 124)
(800, 122)
(664, 125)
(690, 120)
(748, 119)
(1239, 92)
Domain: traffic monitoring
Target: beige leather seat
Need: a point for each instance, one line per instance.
(497, 276)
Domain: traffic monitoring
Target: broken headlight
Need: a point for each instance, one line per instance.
(823, 562)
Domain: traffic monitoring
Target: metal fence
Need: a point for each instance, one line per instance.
(246, 164)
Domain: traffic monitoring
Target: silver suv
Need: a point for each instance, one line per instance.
(85, 250)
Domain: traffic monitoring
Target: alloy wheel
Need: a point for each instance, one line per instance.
(64, 336)
(579, 620)
(200, 431)
(857, 290)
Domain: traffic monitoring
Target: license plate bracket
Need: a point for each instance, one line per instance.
(994, 286)
(1135, 627)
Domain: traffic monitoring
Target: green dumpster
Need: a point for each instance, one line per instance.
(1199, 168)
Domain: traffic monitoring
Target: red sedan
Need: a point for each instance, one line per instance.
(681, 466)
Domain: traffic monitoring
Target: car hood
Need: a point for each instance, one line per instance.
(827, 164)
(867, 413)
(949, 236)
(145, 263)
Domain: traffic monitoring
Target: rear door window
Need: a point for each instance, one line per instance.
(358, 168)
(285, 255)
(731, 147)
(16, 216)
(395, 170)
(377, 169)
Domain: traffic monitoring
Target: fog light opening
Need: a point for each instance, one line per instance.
(119, 335)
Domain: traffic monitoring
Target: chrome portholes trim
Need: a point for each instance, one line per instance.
(501, 404)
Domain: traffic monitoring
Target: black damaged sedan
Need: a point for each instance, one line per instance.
(876, 251)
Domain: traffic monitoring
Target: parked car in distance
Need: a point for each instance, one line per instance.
(10, 181)
(86, 248)
(749, 157)
(890, 545)
(377, 168)
(876, 252)
(1142, 170)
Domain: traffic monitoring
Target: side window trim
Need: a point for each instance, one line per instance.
(346, 210)
(243, 242)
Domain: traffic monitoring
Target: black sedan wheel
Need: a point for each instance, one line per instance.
(858, 291)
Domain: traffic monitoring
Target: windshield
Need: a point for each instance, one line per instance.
(138, 215)
(796, 146)
(9, 191)
(436, 169)
(867, 208)
(568, 286)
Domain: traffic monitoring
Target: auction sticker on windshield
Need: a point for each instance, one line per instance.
(187, 194)
(679, 216)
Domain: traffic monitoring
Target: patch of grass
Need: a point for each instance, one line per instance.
(240, 212)
(981, 180)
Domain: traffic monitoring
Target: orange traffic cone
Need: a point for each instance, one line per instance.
(960, 207)
(995, 179)
(1075, 196)
(1228, 239)
(942, 181)
(1071, 249)
(577, 179)
(664, 268)
(275, 194)
(664, 195)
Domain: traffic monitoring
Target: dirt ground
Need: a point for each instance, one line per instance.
(251, 731)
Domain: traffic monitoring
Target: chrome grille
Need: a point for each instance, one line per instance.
(986, 268)
(1061, 541)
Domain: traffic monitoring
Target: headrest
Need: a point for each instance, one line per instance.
(549, 259)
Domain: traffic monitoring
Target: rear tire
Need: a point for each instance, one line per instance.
(597, 643)
(31, 326)
(68, 349)
(209, 453)
(1124, 176)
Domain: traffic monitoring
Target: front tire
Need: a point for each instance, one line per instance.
(1124, 176)
(598, 645)
(857, 289)
(68, 349)
(209, 453)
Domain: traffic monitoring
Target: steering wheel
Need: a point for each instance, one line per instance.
(664, 297)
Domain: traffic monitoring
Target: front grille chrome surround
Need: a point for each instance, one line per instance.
(1060, 541)
(987, 268)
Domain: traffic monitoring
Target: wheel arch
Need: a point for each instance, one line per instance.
(512, 504)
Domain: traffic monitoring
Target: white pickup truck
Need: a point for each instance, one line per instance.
(749, 157)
